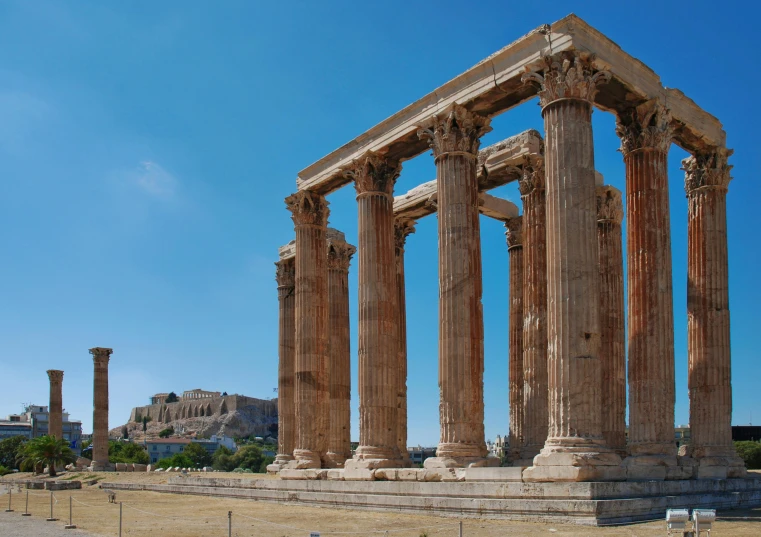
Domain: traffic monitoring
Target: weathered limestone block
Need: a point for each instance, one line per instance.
(454, 135)
(575, 449)
(121, 467)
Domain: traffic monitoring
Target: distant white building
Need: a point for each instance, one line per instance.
(33, 423)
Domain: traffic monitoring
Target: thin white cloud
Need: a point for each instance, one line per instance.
(154, 180)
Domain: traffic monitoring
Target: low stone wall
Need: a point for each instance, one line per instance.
(579, 503)
(63, 485)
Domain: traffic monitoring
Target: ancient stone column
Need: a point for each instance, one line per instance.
(454, 135)
(339, 437)
(402, 228)
(535, 389)
(575, 449)
(100, 356)
(286, 408)
(709, 374)
(310, 216)
(55, 414)
(378, 351)
(645, 134)
(514, 236)
(610, 212)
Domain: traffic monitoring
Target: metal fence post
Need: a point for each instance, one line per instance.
(51, 519)
(69, 526)
(26, 507)
(10, 492)
(120, 519)
(229, 524)
(460, 528)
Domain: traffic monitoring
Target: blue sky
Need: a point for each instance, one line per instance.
(146, 148)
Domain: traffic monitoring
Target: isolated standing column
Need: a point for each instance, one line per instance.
(575, 449)
(310, 216)
(455, 136)
(55, 414)
(101, 357)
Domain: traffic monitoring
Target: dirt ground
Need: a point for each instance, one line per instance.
(147, 514)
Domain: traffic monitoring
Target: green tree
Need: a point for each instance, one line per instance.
(222, 459)
(87, 449)
(750, 452)
(198, 454)
(178, 459)
(127, 452)
(4, 470)
(47, 450)
(266, 462)
(10, 449)
(169, 431)
(146, 419)
(171, 398)
(248, 458)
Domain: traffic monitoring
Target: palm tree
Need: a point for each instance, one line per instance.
(47, 450)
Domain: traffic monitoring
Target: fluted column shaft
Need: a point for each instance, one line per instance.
(708, 345)
(101, 357)
(574, 450)
(310, 215)
(454, 135)
(374, 179)
(286, 407)
(646, 136)
(402, 228)
(55, 408)
(515, 365)
(339, 437)
(535, 390)
(612, 333)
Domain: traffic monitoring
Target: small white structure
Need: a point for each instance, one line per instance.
(676, 521)
(702, 520)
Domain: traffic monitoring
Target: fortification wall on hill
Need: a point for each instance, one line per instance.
(212, 406)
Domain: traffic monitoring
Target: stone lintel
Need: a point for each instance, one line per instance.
(497, 208)
(421, 201)
(494, 86)
(287, 251)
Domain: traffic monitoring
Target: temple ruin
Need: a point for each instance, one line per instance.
(567, 364)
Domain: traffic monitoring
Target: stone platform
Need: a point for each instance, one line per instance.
(589, 504)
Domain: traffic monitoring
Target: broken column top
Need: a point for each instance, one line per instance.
(333, 236)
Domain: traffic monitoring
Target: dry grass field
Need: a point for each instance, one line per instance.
(152, 514)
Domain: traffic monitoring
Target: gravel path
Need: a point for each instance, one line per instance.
(14, 525)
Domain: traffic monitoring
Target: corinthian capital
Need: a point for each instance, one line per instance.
(454, 130)
(648, 126)
(708, 169)
(101, 354)
(285, 272)
(532, 175)
(308, 208)
(55, 376)
(610, 208)
(339, 255)
(402, 228)
(374, 173)
(566, 75)
(514, 233)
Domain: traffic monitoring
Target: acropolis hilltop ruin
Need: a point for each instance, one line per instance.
(567, 364)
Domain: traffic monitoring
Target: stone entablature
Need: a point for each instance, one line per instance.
(190, 395)
(210, 406)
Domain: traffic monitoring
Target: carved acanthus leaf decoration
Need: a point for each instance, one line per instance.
(285, 272)
(454, 130)
(648, 126)
(566, 75)
(610, 207)
(708, 169)
(55, 375)
(532, 175)
(101, 355)
(514, 233)
(373, 173)
(402, 228)
(308, 208)
(339, 255)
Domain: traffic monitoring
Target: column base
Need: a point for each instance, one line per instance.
(654, 462)
(717, 462)
(304, 459)
(335, 460)
(278, 464)
(527, 453)
(575, 462)
(461, 462)
(98, 466)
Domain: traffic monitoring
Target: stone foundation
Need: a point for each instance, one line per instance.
(588, 504)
